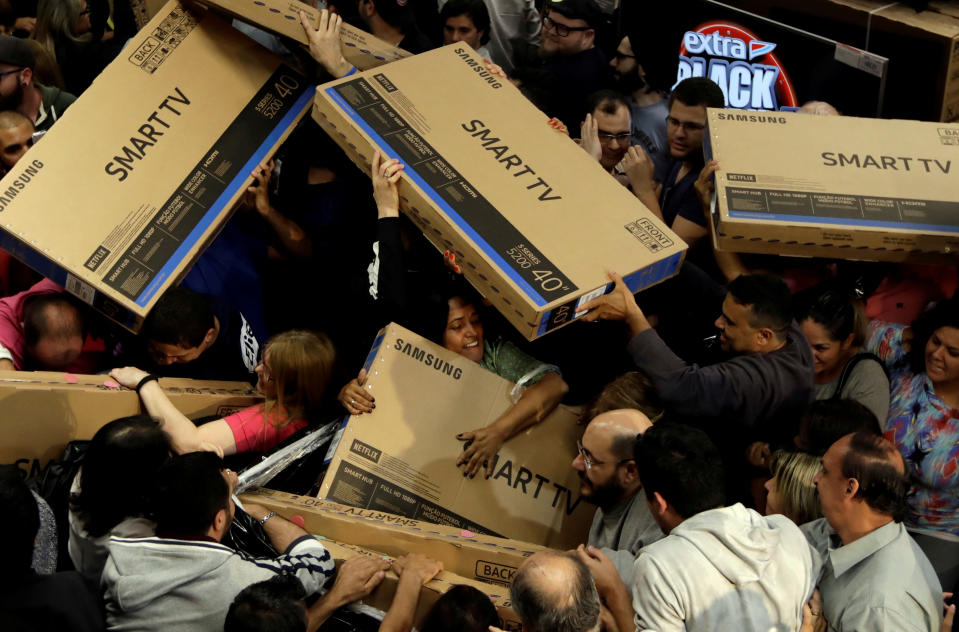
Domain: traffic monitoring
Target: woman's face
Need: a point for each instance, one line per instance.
(829, 356)
(464, 331)
(265, 383)
(772, 498)
(83, 21)
(942, 355)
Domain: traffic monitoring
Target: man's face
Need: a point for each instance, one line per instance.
(166, 354)
(578, 35)
(56, 353)
(685, 127)
(14, 142)
(831, 484)
(623, 62)
(599, 482)
(736, 334)
(460, 28)
(11, 88)
(614, 135)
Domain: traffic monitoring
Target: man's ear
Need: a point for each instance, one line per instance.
(852, 488)
(658, 504)
(210, 336)
(589, 37)
(27, 76)
(765, 336)
(630, 474)
(220, 521)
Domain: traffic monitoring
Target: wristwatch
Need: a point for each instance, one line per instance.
(267, 517)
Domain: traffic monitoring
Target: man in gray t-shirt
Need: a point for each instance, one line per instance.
(648, 104)
(610, 480)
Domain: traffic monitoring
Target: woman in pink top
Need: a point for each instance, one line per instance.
(293, 374)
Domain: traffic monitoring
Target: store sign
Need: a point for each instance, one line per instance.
(744, 66)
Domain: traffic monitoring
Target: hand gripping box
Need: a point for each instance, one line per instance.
(534, 221)
(382, 596)
(282, 17)
(40, 412)
(128, 188)
(474, 555)
(843, 187)
(401, 458)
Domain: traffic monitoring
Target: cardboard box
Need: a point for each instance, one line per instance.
(534, 221)
(169, 134)
(40, 412)
(842, 187)
(474, 555)
(382, 596)
(282, 17)
(923, 46)
(401, 457)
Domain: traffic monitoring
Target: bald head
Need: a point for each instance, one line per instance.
(555, 592)
(819, 108)
(53, 331)
(618, 430)
(879, 469)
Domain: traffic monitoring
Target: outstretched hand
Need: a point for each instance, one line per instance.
(620, 304)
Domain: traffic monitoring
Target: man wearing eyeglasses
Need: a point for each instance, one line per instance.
(19, 91)
(671, 193)
(609, 479)
(569, 66)
(606, 133)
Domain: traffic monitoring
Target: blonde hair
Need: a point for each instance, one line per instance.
(58, 19)
(794, 473)
(300, 365)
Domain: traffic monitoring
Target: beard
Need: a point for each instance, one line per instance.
(604, 495)
(12, 101)
(630, 82)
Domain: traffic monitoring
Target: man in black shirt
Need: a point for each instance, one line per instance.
(193, 335)
(570, 66)
(670, 192)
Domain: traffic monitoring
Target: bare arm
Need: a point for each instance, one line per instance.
(536, 403)
(639, 169)
(292, 238)
(7, 365)
(414, 571)
(184, 435)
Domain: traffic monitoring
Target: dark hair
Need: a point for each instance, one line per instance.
(190, 491)
(943, 314)
(181, 317)
(698, 91)
(826, 421)
(461, 608)
(768, 299)
(586, 10)
(119, 470)
(630, 390)
(475, 9)
(682, 464)
(872, 460)
(571, 607)
(38, 323)
(396, 13)
(606, 101)
(21, 521)
(836, 311)
(273, 605)
(439, 309)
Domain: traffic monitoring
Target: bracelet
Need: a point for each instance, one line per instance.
(267, 517)
(148, 378)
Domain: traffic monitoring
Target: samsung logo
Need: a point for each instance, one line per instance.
(751, 118)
